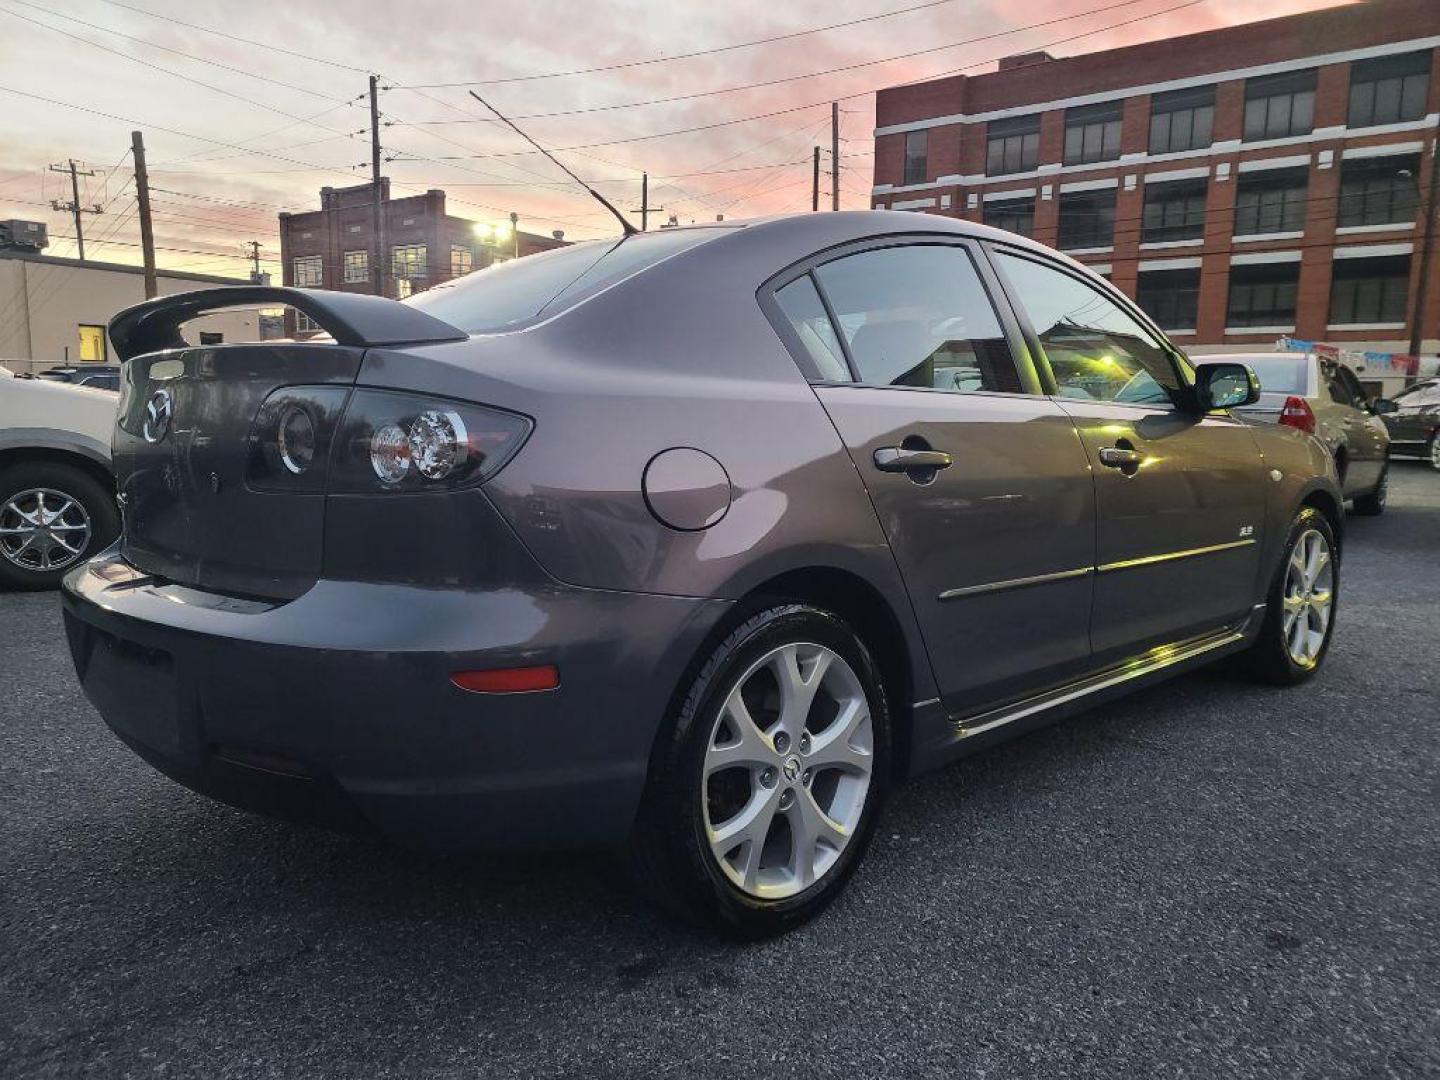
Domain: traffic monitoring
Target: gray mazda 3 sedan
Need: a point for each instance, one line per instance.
(699, 540)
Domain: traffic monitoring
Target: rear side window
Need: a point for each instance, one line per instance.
(919, 316)
(522, 290)
(1096, 350)
(802, 308)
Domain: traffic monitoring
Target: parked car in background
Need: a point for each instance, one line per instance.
(1323, 398)
(57, 491)
(100, 376)
(1412, 418)
(522, 564)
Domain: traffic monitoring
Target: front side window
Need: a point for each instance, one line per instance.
(1174, 210)
(1170, 297)
(1280, 106)
(1096, 350)
(1379, 191)
(1012, 215)
(1369, 290)
(357, 266)
(1263, 294)
(1012, 145)
(308, 271)
(1389, 89)
(407, 261)
(919, 316)
(1271, 201)
(917, 165)
(1092, 133)
(1182, 120)
(1087, 219)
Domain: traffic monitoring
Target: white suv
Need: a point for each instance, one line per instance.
(57, 493)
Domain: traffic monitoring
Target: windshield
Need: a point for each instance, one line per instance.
(521, 290)
(1279, 374)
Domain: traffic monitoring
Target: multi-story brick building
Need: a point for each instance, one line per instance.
(1246, 183)
(332, 248)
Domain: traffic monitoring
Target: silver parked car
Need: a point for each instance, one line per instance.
(701, 539)
(1323, 398)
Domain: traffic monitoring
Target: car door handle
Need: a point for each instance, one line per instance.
(899, 459)
(1119, 457)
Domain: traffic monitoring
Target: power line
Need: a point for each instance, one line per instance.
(686, 56)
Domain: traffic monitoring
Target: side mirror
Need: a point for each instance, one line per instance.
(1381, 406)
(1225, 386)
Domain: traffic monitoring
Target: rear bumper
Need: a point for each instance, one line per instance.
(337, 708)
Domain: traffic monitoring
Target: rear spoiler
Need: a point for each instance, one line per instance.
(358, 319)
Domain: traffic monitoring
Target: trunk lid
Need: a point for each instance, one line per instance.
(181, 457)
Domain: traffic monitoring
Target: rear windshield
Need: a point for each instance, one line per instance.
(522, 290)
(1279, 374)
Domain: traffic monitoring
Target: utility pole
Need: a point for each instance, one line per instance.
(377, 209)
(515, 231)
(254, 246)
(834, 155)
(1427, 244)
(142, 202)
(73, 206)
(815, 183)
(645, 207)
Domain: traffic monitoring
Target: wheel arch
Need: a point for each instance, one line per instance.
(49, 455)
(1325, 502)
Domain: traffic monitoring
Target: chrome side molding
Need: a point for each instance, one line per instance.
(1016, 583)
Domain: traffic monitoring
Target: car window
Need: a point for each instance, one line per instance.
(1279, 374)
(1096, 351)
(806, 314)
(521, 290)
(1425, 397)
(919, 316)
(1339, 392)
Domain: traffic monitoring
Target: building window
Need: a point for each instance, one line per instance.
(407, 261)
(1170, 297)
(1379, 191)
(1012, 145)
(917, 165)
(1280, 106)
(462, 260)
(357, 267)
(92, 343)
(308, 271)
(1092, 133)
(1263, 295)
(1271, 201)
(1182, 120)
(1389, 89)
(1012, 215)
(1369, 290)
(1087, 219)
(1174, 210)
(304, 324)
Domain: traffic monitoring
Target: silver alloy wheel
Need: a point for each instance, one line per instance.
(787, 770)
(1309, 597)
(42, 529)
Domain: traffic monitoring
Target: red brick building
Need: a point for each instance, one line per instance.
(332, 248)
(1260, 180)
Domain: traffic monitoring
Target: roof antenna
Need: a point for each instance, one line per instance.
(630, 229)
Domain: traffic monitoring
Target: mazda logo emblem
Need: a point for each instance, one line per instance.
(158, 412)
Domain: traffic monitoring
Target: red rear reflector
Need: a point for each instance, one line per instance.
(518, 680)
(1297, 413)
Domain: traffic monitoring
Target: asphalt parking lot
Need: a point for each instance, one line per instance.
(1203, 880)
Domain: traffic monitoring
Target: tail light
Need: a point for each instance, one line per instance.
(1296, 413)
(312, 439)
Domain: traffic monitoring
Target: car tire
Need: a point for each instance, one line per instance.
(1280, 656)
(1432, 450)
(709, 776)
(1373, 504)
(81, 513)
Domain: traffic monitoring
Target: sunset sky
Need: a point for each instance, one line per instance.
(281, 102)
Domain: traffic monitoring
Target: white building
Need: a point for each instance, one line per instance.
(54, 311)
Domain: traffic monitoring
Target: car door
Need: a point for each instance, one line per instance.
(1180, 496)
(1416, 416)
(1353, 428)
(980, 482)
